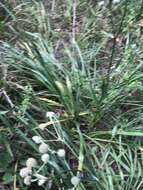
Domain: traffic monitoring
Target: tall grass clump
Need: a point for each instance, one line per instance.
(71, 95)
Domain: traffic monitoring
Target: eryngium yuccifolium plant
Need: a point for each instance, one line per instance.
(51, 165)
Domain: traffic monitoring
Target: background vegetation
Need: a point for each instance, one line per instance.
(83, 61)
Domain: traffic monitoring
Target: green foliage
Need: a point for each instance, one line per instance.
(89, 74)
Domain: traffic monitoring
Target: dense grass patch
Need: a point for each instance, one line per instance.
(81, 63)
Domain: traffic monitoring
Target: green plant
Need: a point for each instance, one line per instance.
(85, 65)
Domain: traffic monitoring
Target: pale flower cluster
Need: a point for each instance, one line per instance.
(27, 172)
(31, 172)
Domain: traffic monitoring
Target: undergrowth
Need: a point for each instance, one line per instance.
(82, 62)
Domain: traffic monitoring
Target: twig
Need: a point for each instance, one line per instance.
(113, 52)
(74, 19)
(114, 42)
(53, 6)
(8, 99)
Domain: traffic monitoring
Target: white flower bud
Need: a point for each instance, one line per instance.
(50, 114)
(45, 158)
(42, 126)
(101, 3)
(37, 139)
(75, 180)
(43, 148)
(31, 162)
(61, 153)
(116, 1)
(24, 172)
(27, 180)
(41, 182)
